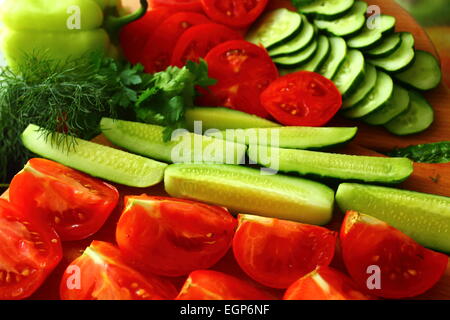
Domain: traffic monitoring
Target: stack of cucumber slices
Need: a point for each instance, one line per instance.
(377, 70)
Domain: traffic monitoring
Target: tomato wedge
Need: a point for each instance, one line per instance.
(29, 251)
(76, 205)
(160, 46)
(101, 273)
(196, 42)
(172, 237)
(213, 285)
(324, 283)
(242, 70)
(234, 13)
(302, 99)
(277, 252)
(371, 248)
(177, 5)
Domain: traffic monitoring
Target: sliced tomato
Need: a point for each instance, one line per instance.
(196, 42)
(75, 204)
(172, 237)
(234, 13)
(324, 283)
(277, 4)
(277, 252)
(160, 46)
(302, 99)
(213, 285)
(102, 273)
(371, 248)
(29, 251)
(177, 5)
(242, 70)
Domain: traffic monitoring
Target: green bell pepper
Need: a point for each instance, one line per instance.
(61, 29)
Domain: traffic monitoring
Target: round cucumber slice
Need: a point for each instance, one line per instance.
(379, 95)
(326, 9)
(417, 118)
(397, 104)
(350, 73)
(364, 88)
(386, 47)
(371, 36)
(294, 61)
(335, 59)
(424, 74)
(323, 50)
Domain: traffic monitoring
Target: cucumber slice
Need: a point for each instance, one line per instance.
(292, 137)
(336, 57)
(298, 43)
(331, 165)
(147, 140)
(349, 24)
(94, 159)
(386, 47)
(294, 61)
(417, 118)
(247, 190)
(423, 217)
(367, 84)
(326, 9)
(424, 74)
(322, 52)
(368, 37)
(350, 73)
(397, 104)
(275, 28)
(379, 95)
(224, 118)
(401, 58)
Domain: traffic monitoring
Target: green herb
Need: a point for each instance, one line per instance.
(426, 153)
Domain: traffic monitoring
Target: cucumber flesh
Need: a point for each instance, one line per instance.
(275, 28)
(322, 52)
(386, 47)
(397, 104)
(331, 165)
(326, 9)
(224, 118)
(292, 137)
(368, 37)
(350, 73)
(423, 217)
(247, 190)
(97, 160)
(294, 61)
(424, 74)
(367, 84)
(417, 118)
(349, 24)
(401, 58)
(379, 95)
(335, 59)
(147, 140)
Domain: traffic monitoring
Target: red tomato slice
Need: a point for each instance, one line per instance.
(242, 70)
(173, 237)
(234, 13)
(324, 283)
(101, 273)
(29, 251)
(277, 4)
(302, 99)
(213, 285)
(196, 42)
(76, 205)
(406, 269)
(277, 252)
(177, 5)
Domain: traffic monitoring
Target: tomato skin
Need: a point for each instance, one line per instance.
(104, 275)
(311, 287)
(177, 5)
(242, 70)
(277, 252)
(302, 98)
(213, 285)
(406, 268)
(172, 237)
(234, 13)
(29, 249)
(75, 204)
(196, 42)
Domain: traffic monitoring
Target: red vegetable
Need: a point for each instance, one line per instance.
(177, 5)
(372, 249)
(302, 99)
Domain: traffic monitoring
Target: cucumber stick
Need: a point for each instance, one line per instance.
(97, 160)
(423, 217)
(247, 190)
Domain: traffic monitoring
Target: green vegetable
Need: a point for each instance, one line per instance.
(425, 153)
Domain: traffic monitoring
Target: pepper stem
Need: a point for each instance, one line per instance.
(114, 24)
